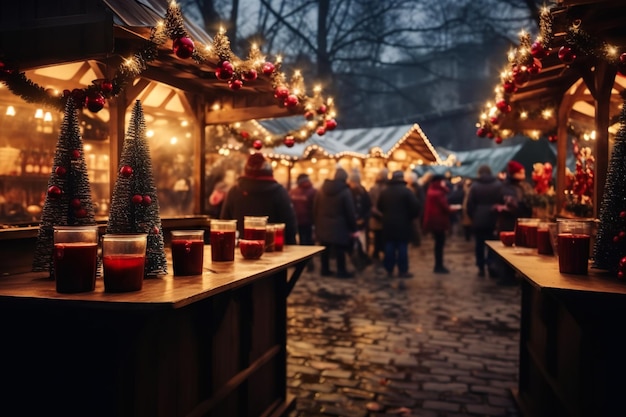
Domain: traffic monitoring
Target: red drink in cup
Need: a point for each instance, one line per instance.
(188, 251)
(573, 253)
(270, 238)
(123, 261)
(75, 267)
(544, 245)
(251, 233)
(531, 236)
(279, 237)
(75, 258)
(123, 272)
(222, 239)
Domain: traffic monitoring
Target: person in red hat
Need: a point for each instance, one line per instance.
(257, 193)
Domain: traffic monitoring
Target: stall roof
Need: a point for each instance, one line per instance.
(363, 143)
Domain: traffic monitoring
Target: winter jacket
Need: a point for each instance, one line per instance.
(515, 196)
(483, 197)
(376, 217)
(302, 198)
(362, 205)
(334, 213)
(260, 197)
(437, 210)
(399, 206)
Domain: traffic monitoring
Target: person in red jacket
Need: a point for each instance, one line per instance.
(437, 218)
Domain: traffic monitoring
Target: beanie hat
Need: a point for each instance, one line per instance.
(514, 167)
(341, 174)
(257, 166)
(302, 178)
(397, 176)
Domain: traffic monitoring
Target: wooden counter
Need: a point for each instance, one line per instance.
(210, 345)
(572, 342)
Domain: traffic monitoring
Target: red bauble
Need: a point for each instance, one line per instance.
(235, 84)
(137, 199)
(621, 65)
(183, 47)
(289, 141)
(126, 171)
(75, 203)
(501, 105)
(509, 87)
(521, 77)
(490, 135)
(291, 101)
(268, 68)
(567, 55)
(95, 102)
(223, 74)
(155, 230)
(257, 144)
(481, 132)
(281, 92)
(622, 214)
(494, 120)
(54, 192)
(309, 115)
(535, 67)
(75, 154)
(322, 109)
(553, 138)
(321, 131)
(331, 124)
(250, 75)
(60, 171)
(79, 96)
(537, 50)
(106, 87)
(245, 135)
(498, 140)
(146, 200)
(81, 213)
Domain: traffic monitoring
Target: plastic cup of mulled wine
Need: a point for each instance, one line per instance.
(574, 238)
(279, 236)
(123, 261)
(222, 240)
(187, 251)
(75, 258)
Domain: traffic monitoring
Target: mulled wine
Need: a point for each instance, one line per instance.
(222, 245)
(531, 236)
(279, 239)
(250, 233)
(573, 253)
(188, 256)
(507, 238)
(544, 246)
(270, 235)
(123, 273)
(251, 249)
(520, 235)
(75, 266)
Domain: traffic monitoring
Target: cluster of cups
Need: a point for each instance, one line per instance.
(75, 254)
(570, 239)
(259, 237)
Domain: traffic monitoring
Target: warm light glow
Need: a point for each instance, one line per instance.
(150, 133)
(279, 59)
(317, 88)
(314, 160)
(523, 115)
(611, 51)
(173, 140)
(215, 107)
(88, 147)
(184, 123)
(237, 125)
(546, 114)
(222, 30)
(590, 136)
(39, 114)
(10, 111)
(47, 117)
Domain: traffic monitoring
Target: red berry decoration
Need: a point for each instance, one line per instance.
(289, 141)
(250, 75)
(75, 154)
(490, 135)
(106, 87)
(75, 203)
(498, 140)
(257, 144)
(501, 104)
(537, 50)
(245, 135)
(566, 55)
(146, 200)
(224, 71)
(553, 138)
(494, 120)
(137, 199)
(521, 78)
(126, 171)
(535, 67)
(183, 47)
(509, 87)
(155, 230)
(80, 213)
(321, 131)
(309, 115)
(95, 102)
(291, 101)
(235, 84)
(60, 171)
(79, 96)
(481, 132)
(331, 124)
(281, 92)
(622, 214)
(268, 68)
(322, 109)
(54, 192)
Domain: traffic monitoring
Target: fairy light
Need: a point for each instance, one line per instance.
(546, 114)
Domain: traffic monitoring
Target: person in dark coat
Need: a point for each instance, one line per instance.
(483, 197)
(334, 216)
(375, 221)
(257, 193)
(437, 218)
(399, 206)
(302, 197)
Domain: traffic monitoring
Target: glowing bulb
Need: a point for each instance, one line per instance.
(149, 133)
(523, 115)
(173, 140)
(47, 117)
(39, 114)
(10, 111)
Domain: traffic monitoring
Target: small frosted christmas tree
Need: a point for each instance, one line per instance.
(610, 246)
(134, 206)
(68, 199)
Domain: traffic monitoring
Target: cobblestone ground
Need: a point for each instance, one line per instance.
(430, 346)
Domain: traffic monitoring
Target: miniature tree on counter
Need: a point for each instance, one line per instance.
(68, 197)
(134, 206)
(610, 245)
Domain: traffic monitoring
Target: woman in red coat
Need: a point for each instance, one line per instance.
(437, 218)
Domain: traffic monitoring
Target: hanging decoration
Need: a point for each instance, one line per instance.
(526, 61)
(236, 72)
